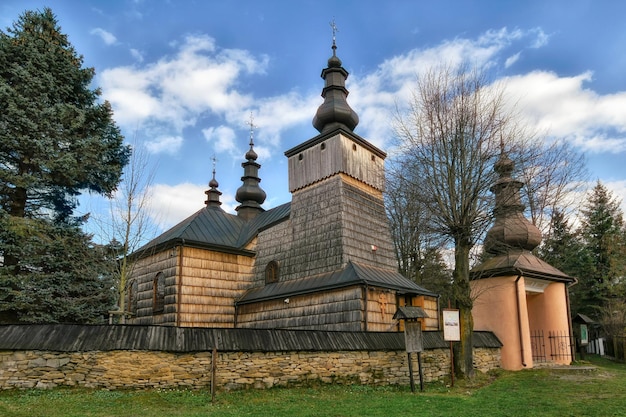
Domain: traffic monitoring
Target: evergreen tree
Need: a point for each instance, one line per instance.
(602, 230)
(56, 138)
(64, 277)
(564, 250)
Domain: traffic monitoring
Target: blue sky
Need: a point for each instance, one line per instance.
(183, 77)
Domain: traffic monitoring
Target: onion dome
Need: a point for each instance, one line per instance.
(335, 112)
(511, 230)
(213, 194)
(250, 194)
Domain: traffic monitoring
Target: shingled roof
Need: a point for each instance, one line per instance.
(519, 262)
(83, 338)
(213, 228)
(352, 274)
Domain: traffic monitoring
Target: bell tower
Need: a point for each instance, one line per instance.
(337, 183)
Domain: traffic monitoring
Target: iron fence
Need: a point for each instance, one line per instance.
(560, 345)
(538, 346)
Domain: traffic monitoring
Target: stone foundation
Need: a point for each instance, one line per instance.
(134, 369)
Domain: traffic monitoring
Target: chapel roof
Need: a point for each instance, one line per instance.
(519, 262)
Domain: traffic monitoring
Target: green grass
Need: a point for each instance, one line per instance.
(540, 392)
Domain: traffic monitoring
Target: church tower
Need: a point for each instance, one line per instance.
(337, 183)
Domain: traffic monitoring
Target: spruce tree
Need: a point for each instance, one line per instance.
(64, 277)
(57, 139)
(564, 249)
(602, 230)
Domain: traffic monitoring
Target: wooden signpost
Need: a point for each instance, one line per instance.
(413, 338)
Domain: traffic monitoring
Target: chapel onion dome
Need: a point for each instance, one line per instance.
(335, 111)
(511, 230)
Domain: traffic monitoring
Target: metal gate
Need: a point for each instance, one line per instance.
(538, 346)
(560, 345)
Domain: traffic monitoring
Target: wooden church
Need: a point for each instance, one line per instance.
(323, 261)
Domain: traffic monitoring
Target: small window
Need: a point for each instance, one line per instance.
(300, 157)
(271, 272)
(131, 304)
(354, 147)
(373, 158)
(323, 146)
(158, 297)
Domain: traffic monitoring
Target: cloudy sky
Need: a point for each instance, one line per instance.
(183, 77)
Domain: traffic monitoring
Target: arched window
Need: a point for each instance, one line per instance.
(158, 293)
(131, 305)
(271, 272)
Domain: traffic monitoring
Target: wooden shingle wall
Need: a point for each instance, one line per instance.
(332, 222)
(381, 306)
(341, 309)
(337, 154)
(210, 283)
(144, 272)
(366, 236)
(199, 292)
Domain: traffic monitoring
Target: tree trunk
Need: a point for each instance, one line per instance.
(464, 359)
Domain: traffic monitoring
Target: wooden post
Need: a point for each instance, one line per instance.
(419, 365)
(411, 372)
(213, 369)
(451, 365)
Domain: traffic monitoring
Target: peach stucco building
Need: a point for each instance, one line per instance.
(519, 297)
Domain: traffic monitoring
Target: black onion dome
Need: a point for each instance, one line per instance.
(335, 111)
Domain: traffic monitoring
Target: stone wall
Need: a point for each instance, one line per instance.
(141, 369)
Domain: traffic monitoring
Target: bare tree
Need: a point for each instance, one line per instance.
(449, 140)
(553, 173)
(409, 222)
(129, 225)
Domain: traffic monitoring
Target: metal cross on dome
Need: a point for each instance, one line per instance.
(252, 127)
(334, 29)
(214, 159)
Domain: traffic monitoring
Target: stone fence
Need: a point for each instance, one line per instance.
(141, 368)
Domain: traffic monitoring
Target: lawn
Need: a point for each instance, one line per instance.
(540, 392)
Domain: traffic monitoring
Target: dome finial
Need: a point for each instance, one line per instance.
(251, 155)
(334, 28)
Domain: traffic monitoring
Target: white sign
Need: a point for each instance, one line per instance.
(451, 325)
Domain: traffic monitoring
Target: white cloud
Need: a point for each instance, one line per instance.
(135, 53)
(223, 138)
(512, 60)
(172, 93)
(107, 37)
(165, 144)
(541, 38)
(564, 107)
(174, 203)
